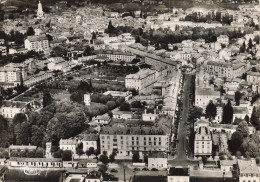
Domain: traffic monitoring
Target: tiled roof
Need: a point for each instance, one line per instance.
(37, 38)
(21, 159)
(247, 166)
(178, 171)
(68, 142)
(132, 131)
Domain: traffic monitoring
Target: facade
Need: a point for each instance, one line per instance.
(37, 43)
(178, 175)
(36, 162)
(141, 79)
(158, 61)
(127, 95)
(89, 140)
(118, 56)
(128, 140)
(224, 70)
(253, 77)
(157, 160)
(122, 114)
(10, 108)
(204, 95)
(203, 139)
(37, 78)
(102, 119)
(12, 73)
(248, 170)
(68, 144)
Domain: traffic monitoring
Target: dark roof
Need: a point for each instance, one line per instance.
(132, 131)
(21, 159)
(178, 171)
(200, 179)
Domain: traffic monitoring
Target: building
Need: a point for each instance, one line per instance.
(127, 95)
(12, 73)
(157, 160)
(10, 108)
(225, 70)
(90, 140)
(227, 165)
(178, 175)
(40, 13)
(35, 162)
(87, 99)
(37, 78)
(38, 43)
(248, 170)
(158, 61)
(122, 114)
(48, 150)
(118, 56)
(140, 80)
(204, 95)
(253, 77)
(102, 119)
(241, 112)
(128, 140)
(150, 176)
(68, 144)
(203, 138)
(223, 39)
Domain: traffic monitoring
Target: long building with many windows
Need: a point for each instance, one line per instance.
(128, 140)
(37, 43)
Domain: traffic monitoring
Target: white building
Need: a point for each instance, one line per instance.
(10, 108)
(204, 95)
(140, 80)
(248, 170)
(68, 144)
(89, 140)
(203, 138)
(35, 162)
(178, 175)
(157, 160)
(40, 13)
(87, 99)
(37, 43)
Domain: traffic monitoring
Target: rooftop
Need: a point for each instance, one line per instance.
(174, 171)
(132, 131)
(21, 159)
(68, 142)
(206, 91)
(141, 74)
(247, 166)
(22, 147)
(157, 155)
(37, 38)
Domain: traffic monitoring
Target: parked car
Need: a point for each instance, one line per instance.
(113, 170)
(136, 169)
(154, 169)
(145, 169)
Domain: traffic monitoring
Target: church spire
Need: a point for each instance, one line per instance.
(40, 11)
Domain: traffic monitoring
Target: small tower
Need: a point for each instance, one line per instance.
(40, 14)
(87, 99)
(48, 150)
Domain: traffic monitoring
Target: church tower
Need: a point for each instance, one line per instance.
(40, 14)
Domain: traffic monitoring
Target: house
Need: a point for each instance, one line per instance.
(70, 164)
(204, 95)
(10, 108)
(102, 119)
(91, 177)
(90, 140)
(227, 165)
(150, 176)
(242, 112)
(122, 114)
(178, 174)
(68, 144)
(127, 95)
(36, 162)
(149, 116)
(248, 170)
(87, 163)
(157, 160)
(37, 43)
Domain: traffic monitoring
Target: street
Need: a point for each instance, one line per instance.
(180, 158)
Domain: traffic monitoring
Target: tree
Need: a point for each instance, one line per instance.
(21, 132)
(227, 113)
(243, 48)
(235, 142)
(104, 159)
(111, 158)
(238, 96)
(247, 118)
(211, 110)
(136, 157)
(66, 155)
(125, 106)
(250, 44)
(30, 31)
(58, 51)
(47, 99)
(255, 117)
(254, 69)
(102, 169)
(136, 104)
(243, 128)
(37, 134)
